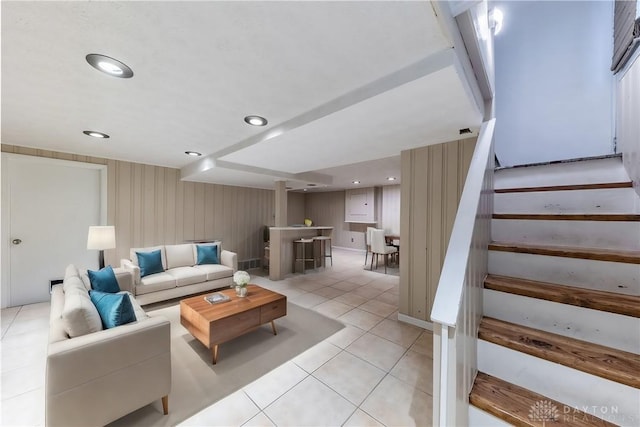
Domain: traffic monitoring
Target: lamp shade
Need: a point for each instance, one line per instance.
(101, 237)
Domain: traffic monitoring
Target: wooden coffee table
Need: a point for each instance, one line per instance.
(214, 324)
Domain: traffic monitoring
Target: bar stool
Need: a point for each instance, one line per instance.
(303, 243)
(323, 248)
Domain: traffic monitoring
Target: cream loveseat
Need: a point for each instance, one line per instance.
(182, 275)
(95, 376)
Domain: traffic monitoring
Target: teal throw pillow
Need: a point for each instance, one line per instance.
(104, 280)
(207, 254)
(114, 309)
(150, 262)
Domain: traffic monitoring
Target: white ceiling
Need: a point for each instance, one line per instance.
(341, 83)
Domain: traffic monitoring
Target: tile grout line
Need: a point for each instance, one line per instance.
(12, 321)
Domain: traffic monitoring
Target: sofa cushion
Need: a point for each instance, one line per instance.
(114, 309)
(79, 315)
(179, 255)
(187, 275)
(85, 279)
(155, 282)
(104, 280)
(150, 262)
(73, 283)
(215, 271)
(207, 254)
(70, 271)
(134, 258)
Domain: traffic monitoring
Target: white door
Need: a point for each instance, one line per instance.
(47, 208)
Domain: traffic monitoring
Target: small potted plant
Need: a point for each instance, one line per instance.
(240, 280)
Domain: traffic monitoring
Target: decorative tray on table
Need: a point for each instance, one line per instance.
(216, 298)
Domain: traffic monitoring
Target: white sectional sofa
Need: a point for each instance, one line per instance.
(182, 275)
(93, 375)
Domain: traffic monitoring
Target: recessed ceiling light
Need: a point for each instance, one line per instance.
(110, 66)
(193, 153)
(391, 178)
(255, 120)
(304, 189)
(356, 182)
(95, 134)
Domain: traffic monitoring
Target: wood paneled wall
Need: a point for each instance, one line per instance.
(432, 182)
(150, 205)
(391, 208)
(328, 209)
(295, 208)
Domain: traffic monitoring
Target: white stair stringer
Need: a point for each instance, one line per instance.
(480, 418)
(599, 327)
(623, 278)
(594, 171)
(611, 401)
(622, 235)
(605, 201)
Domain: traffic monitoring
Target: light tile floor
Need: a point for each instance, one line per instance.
(376, 371)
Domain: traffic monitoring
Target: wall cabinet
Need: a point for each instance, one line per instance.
(360, 206)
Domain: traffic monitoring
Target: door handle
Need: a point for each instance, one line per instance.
(16, 241)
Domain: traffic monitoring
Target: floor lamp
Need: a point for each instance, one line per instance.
(101, 238)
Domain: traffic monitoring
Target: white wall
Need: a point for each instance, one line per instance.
(554, 90)
(628, 125)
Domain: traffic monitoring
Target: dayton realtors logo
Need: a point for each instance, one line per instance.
(544, 411)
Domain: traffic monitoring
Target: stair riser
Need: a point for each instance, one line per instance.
(584, 172)
(608, 329)
(591, 394)
(617, 277)
(615, 201)
(585, 234)
(480, 418)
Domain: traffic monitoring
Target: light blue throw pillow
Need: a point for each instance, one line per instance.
(104, 280)
(207, 254)
(150, 262)
(114, 309)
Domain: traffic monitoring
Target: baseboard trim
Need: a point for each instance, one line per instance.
(416, 322)
(349, 249)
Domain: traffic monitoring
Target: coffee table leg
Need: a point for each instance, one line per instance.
(273, 326)
(215, 353)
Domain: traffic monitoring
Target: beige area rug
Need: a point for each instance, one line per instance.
(196, 383)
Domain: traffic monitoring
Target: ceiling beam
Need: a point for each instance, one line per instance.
(417, 70)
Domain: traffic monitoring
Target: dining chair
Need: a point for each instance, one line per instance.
(379, 247)
(367, 243)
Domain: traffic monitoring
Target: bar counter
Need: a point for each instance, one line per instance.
(281, 247)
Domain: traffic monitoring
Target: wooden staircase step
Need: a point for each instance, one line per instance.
(599, 186)
(628, 305)
(612, 255)
(571, 217)
(521, 407)
(613, 364)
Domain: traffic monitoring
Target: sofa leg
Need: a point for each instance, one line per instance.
(165, 404)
